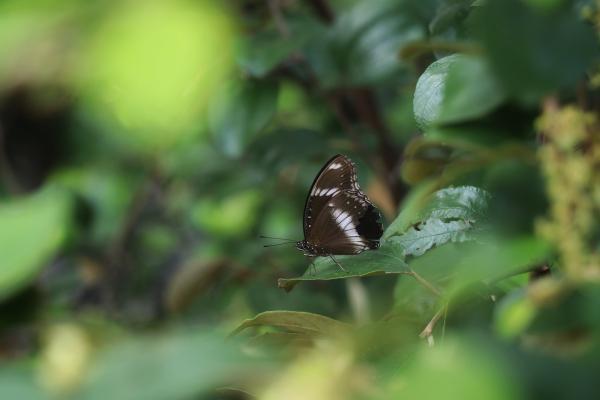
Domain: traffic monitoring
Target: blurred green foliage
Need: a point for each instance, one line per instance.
(146, 145)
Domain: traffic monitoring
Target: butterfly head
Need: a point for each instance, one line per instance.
(305, 248)
(301, 245)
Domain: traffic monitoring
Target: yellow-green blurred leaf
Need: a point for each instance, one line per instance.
(153, 66)
(515, 312)
(455, 370)
(229, 216)
(32, 229)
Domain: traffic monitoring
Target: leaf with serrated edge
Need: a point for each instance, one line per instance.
(464, 202)
(433, 232)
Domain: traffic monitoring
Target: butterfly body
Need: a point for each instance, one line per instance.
(339, 219)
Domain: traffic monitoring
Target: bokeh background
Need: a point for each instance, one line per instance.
(145, 146)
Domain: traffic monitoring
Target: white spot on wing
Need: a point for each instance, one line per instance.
(345, 223)
(335, 165)
(325, 192)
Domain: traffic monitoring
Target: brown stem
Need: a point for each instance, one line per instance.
(428, 330)
(425, 283)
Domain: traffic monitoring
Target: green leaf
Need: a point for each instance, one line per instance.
(411, 209)
(261, 53)
(149, 70)
(294, 322)
(108, 191)
(17, 382)
(363, 44)
(240, 114)
(494, 258)
(172, 366)
(433, 232)
(463, 202)
(453, 89)
(388, 259)
(457, 368)
(542, 51)
(429, 92)
(232, 215)
(514, 314)
(32, 230)
(470, 91)
(467, 203)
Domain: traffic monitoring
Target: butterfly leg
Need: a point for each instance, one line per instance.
(312, 269)
(338, 264)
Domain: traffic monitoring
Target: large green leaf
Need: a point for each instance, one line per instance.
(458, 368)
(429, 93)
(294, 322)
(470, 91)
(388, 259)
(32, 229)
(453, 89)
(170, 366)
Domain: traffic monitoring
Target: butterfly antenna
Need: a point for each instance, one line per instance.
(277, 244)
(276, 238)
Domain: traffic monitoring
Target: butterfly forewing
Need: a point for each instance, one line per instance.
(338, 217)
(336, 176)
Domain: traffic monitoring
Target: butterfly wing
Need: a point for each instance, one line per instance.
(347, 224)
(338, 175)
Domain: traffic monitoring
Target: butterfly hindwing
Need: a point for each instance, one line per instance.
(338, 216)
(347, 224)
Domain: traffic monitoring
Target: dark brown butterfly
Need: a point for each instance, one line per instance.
(339, 218)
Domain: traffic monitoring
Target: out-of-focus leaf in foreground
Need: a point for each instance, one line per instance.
(295, 322)
(17, 382)
(456, 369)
(176, 365)
(32, 229)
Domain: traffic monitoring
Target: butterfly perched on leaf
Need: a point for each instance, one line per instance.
(339, 219)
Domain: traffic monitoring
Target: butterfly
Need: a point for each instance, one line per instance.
(339, 219)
